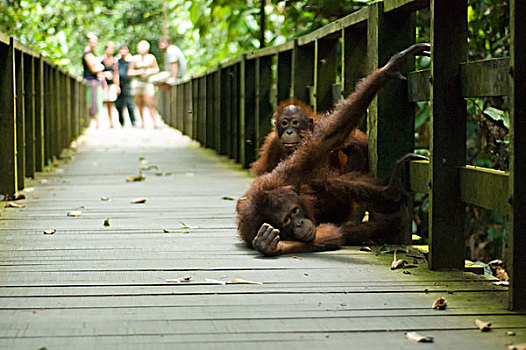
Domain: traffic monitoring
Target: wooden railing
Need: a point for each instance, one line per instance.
(42, 109)
(229, 108)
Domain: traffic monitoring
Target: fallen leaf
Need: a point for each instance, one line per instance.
(242, 281)
(138, 201)
(136, 178)
(14, 205)
(227, 198)
(49, 231)
(365, 249)
(186, 232)
(510, 334)
(179, 280)
(165, 230)
(187, 226)
(211, 280)
(502, 283)
(18, 195)
(398, 264)
(107, 222)
(414, 336)
(440, 304)
(29, 189)
(296, 257)
(483, 326)
(517, 347)
(106, 199)
(74, 213)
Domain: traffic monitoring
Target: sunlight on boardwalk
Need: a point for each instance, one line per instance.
(91, 286)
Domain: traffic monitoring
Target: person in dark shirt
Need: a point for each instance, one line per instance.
(123, 82)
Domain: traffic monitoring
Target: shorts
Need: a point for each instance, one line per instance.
(109, 93)
(143, 88)
(93, 96)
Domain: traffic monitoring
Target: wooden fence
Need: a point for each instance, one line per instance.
(42, 109)
(229, 108)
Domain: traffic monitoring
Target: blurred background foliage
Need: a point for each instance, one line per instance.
(211, 31)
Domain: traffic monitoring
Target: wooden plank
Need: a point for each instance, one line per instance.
(248, 122)
(302, 71)
(354, 52)
(405, 6)
(325, 69)
(448, 133)
(517, 102)
(485, 78)
(418, 85)
(8, 122)
(484, 187)
(419, 176)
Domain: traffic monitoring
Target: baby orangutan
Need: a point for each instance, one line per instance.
(304, 205)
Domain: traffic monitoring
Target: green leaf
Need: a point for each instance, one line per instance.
(498, 115)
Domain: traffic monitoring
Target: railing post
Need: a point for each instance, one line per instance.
(8, 175)
(226, 110)
(188, 108)
(263, 106)
(39, 114)
(20, 119)
(391, 130)
(195, 107)
(210, 116)
(29, 112)
(302, 71)
(325, 69)
(218, 118)
(448, 134)
(284, 76)
(517, 220)
(247, 120)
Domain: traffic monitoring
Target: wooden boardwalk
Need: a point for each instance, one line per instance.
(90, 286)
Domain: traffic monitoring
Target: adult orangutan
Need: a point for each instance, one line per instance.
(294, 119)
(303, 204)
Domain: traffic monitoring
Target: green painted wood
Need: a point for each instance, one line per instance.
(263, 107)
(485, 78)
(390, 129)
(302, 71)
(325, 71)
(236, 111)
(448, 134)
(486, 188)
(210, 109)
(405, 6)
(20, 119)
(517, 102)
(418, 85)
(8, 163)
(189, 114)
(195, 108)
(29, 113)
(39, 115)
(203, 115)
(419, 176)
(284, 76)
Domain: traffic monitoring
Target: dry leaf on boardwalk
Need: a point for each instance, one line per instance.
(107, 222)
(211, 280)
(136, 178)
(105, 199)
(19, 195)
(483, 326)
(398, 263)
(440, 304)
(296, 257)
(166, 230)
(49, 231)
(242, 281)
(179, 280)
(75, 213)
(414, 336)
(138, 201)
(14, 205)
(225, 198)
(517, 347)
(365, 249)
